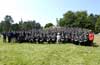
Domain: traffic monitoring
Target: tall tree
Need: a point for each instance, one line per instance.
(8, 20)
(97, 25)
(81, 19)
(21, 24)
(68, 18)
(28, 25)
(38, 26)
(91, 20)
(48, 25)
(75, 19)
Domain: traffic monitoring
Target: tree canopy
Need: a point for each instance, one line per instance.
(48, 25)
(8, 24)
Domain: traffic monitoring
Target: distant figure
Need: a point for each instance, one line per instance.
(10, 36)
(58, 37)
(4, 36)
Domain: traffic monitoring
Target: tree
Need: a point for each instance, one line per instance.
(61, 22)
(77, 19)
(48, 25)
(81, 19)
(8, 25)
(8, 20)
(91, 20)
(38, 26)
(97, 25)
(73, 19)
(28, 25)
(21, 24)
(15, 27)
(68, 18)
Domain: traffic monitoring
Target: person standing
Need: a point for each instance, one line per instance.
(58, 37)
(4, 36)
(91, 38)
(9, 34)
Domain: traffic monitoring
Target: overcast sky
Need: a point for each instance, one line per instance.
(44, 11)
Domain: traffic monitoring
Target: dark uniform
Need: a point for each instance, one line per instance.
(4, 36)
(9, 34)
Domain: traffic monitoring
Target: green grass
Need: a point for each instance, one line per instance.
(49, 54)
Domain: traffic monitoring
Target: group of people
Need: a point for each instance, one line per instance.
(50, 35)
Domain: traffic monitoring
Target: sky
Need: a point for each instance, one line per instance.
(45, 11)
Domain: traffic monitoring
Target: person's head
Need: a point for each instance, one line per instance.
(90, 31)
(58, 33)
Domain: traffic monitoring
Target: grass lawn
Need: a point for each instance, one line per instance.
(49, 54)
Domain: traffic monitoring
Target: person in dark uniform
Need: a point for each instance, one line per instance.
(62, 37)
(4, 36)
(48, 39)
(53, 37)
(9, 36)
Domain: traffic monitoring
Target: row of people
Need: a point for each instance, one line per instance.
(75, 35)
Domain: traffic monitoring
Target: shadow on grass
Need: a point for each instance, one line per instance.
(95, 45)
(92, 45)
(87, 44)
